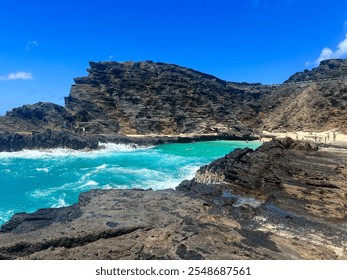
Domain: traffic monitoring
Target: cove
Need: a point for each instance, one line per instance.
(34, 179)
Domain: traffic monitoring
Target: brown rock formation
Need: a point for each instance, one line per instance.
(286, 200)
(157, 98)
(147, 97)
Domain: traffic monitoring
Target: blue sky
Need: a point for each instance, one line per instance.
(45, 44)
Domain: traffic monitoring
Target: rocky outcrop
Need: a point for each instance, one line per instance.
(147, 98)
(36, 117)
(158, 98)
(285, 200)
(289, 174)
(327, 70)
(11, 142)
(315, 106)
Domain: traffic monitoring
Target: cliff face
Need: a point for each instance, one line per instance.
(313, 100)
(147, 97)
(314, 106)
(158, 98)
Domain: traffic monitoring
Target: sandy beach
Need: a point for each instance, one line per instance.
(324, 137)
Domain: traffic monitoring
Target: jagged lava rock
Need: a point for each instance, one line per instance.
(165, 99)
(36, 117)
(285, 200)
(48, 139)
(147, 97)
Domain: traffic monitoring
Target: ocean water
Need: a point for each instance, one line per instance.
(30, 180)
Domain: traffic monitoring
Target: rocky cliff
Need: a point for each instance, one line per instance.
(331, 69)
(313, 100)
(158, 98)
(36, 117)
(147, 98)
(285, 200)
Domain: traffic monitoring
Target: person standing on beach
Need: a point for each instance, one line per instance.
(334, 136)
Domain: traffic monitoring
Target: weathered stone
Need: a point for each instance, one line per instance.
(293, 213)
(147, 98)
(11, 141)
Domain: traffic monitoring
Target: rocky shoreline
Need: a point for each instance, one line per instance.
(49, 139)
(285, 200)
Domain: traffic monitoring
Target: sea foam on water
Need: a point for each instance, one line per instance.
(34, 179)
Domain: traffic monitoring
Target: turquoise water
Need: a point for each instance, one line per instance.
(31, 180)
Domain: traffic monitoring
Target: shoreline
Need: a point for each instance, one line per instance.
(17, 141)
(322, 138)
(175, 224)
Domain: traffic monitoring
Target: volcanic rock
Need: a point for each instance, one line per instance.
(158, 99)
(36, 117)
(11, 142)
(327, 70)
(285, 200)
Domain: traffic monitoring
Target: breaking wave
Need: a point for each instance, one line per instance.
(54, 178)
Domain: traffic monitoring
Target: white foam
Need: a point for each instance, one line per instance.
(39, 193)
(60, 202)
(105, 148)
(37, 154)
(46, 170)
(5, 216)
(103, 166)
(120, 147)
(108, 187)
(90, 183)
(169, 182)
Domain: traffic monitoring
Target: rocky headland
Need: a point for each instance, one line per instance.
(117, 101)
(285, 200)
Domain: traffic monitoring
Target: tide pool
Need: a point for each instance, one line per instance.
(30, 180)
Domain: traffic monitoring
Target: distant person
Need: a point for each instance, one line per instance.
(328, 135)
(334, 136)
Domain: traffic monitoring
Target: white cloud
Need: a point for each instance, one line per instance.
(342, 48)
(326, 53)
(111, 56)
(31, 44)
(340, 52)
(17, 76)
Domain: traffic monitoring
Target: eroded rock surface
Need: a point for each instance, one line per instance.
(147, 98)
(286, 200)
(12, 141)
